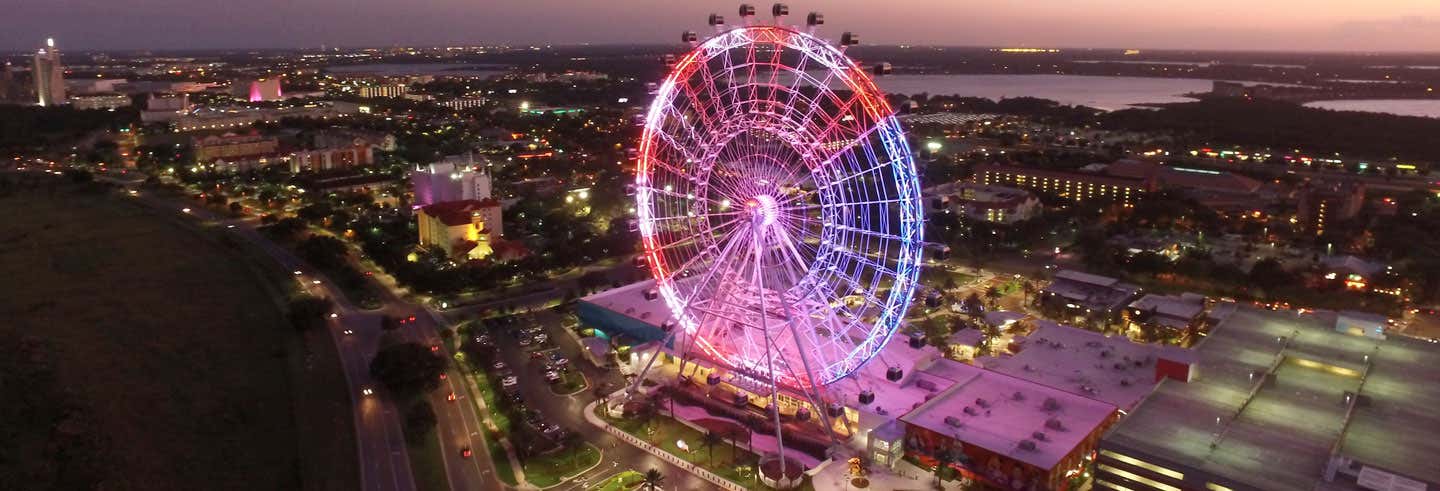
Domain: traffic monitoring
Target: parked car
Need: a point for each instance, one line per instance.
(552, 376)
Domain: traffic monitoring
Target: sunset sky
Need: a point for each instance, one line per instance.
(1346, 25)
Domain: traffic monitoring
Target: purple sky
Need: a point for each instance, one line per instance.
(1348, 25)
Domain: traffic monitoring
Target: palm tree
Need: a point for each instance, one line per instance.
(653, 479)
(708, 441)
(735, 434)
(943, 459)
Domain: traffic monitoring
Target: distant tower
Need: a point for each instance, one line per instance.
(49, 75)
(7, 83)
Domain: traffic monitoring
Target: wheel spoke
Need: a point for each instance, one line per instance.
(778, 190)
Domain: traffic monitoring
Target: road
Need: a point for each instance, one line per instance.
(382, 449)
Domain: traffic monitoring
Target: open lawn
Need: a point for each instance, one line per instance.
(666, 433)
(427, 463)
(498, 458)
(548, 470)
(624, 481)
(571, 382)
(155, 357)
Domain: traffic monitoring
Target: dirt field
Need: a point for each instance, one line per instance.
(171, 365)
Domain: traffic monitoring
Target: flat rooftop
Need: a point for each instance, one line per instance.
(998, 412)
(630, 300)
(1279, 435)
(1112, 369)
(892, 398)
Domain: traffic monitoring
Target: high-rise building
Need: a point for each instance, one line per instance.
(9, 86)
(383, 90)
(1078, 186)
(457, 177)
(1320, 205)
(100, 101)
(49, 75)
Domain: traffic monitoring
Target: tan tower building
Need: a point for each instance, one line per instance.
(49, 75)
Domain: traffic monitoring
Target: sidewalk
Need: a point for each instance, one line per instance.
(905, 477)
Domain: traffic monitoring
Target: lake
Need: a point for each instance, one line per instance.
(1108, 93)
(1427, 108)
(396, 69)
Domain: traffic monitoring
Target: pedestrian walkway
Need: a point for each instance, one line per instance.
(656, 451)
(763, 442)
(904, 477)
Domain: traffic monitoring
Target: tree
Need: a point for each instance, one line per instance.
(287, 229)
(943, 459)
(308, 312)
(653, 479)
(708, 441)
(992, 294)
(973, 305)
(1270, 275)
(323, 251)
(1030, 289)
(419, 420)
(408, 368)
(1147, 262)
(937, 333)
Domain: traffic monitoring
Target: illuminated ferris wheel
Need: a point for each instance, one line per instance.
(778, 204)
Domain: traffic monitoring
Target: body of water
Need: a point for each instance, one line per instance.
(1427, 108)
(396, 69)
(1108, 93)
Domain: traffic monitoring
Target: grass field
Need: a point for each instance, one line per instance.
(548, 470)
(427, 464)
(664, 432)
(174, 362)
(498, 458)
(623, 481)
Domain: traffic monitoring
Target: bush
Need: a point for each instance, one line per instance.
(419, 420)
(408, 369)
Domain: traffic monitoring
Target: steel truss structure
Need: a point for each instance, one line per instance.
(778, 206)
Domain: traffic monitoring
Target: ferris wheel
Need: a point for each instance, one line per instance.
(777, 204)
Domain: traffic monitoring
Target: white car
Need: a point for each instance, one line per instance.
(510, 381)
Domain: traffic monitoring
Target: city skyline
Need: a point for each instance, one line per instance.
(1289, 25)
(572, 245)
